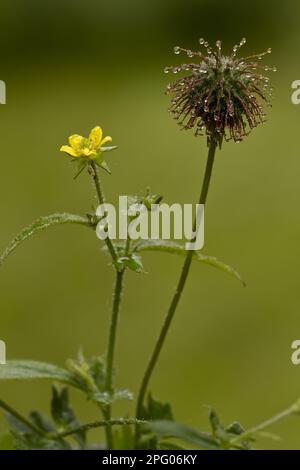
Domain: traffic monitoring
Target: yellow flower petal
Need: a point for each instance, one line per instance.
(106, 139)
(95, 137)
(69, 150)
(88, 152)
(76, 141)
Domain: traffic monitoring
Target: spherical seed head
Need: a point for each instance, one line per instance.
(221, 95)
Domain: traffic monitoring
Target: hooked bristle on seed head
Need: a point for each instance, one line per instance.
(221, 95)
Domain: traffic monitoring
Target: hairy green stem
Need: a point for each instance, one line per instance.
(96, 424)
(101, 199)
(111, 349)
(178, 292)
(115, 313)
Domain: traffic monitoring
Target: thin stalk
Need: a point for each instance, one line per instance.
(178, 292)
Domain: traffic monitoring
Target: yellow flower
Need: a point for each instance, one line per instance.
(89, 148)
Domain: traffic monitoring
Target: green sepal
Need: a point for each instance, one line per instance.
(101, 163)
(108, 149)
(81, 165)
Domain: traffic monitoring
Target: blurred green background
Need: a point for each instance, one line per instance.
(70, 65)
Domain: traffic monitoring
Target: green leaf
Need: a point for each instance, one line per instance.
(17, 424)
(31, 441)
(81, 165)
(224, 436)
(41, 421)
(63, 415)
(29, 370)
(24, 437)
(42, 223)
(89, 373)
(214, 420)
(178, 249)
(96, 367)
(153, 410)
(61, 411)
(217, 427)
(165, 429)
(156, 410)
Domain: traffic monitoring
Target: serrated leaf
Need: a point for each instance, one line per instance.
(16, 424)
(172, 429)
(81, 165)
(156, 410)
(96, 368)
(42, 223)
(178, 249)
(63, 414)
(30, 370)
(61, 411)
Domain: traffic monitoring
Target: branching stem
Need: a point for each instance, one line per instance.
(115, 313)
